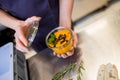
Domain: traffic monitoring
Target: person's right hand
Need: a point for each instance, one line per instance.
(21, 31)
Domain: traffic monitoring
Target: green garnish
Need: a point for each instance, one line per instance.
(63, 72)
(52, 39)
(79, 74)
(67, 69)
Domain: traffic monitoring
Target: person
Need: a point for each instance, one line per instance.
(19, 15)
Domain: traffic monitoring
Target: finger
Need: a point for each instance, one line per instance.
(22, 38)
(35, 18)
(54, 53)
(58, 55)
(70, 53)
(64, 56)
(20, 46)
(31, 20)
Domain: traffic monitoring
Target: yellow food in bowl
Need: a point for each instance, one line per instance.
(60, 40)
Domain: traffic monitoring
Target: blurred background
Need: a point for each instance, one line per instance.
(84, 7)
(87, 11)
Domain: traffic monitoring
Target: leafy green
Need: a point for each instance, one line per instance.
(80, 71)
(67, 69)
(63, 72)
(52, 39)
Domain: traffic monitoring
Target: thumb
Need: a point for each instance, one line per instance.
(31, 20)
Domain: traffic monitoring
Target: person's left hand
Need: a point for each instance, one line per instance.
(70, 53)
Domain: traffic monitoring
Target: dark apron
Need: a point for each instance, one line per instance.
(23, 9)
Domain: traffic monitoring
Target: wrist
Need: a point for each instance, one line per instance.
(18, 23)
(66, 24)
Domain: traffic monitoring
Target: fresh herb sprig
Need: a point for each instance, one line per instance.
(64, 71)
(52, 39)
(81, 67)
(61, 74)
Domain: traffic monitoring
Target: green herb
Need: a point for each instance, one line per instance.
(52, 39)
(63, 72)
(80, 71)
(67, 69)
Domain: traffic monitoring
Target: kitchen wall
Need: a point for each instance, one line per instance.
(84, 7)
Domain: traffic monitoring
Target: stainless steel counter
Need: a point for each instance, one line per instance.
(44, 65)
(99, 43)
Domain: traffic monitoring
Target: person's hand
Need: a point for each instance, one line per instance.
(70, 53)
(21, 31)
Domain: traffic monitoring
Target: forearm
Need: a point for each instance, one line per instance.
(65, 14)
(7, 20)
